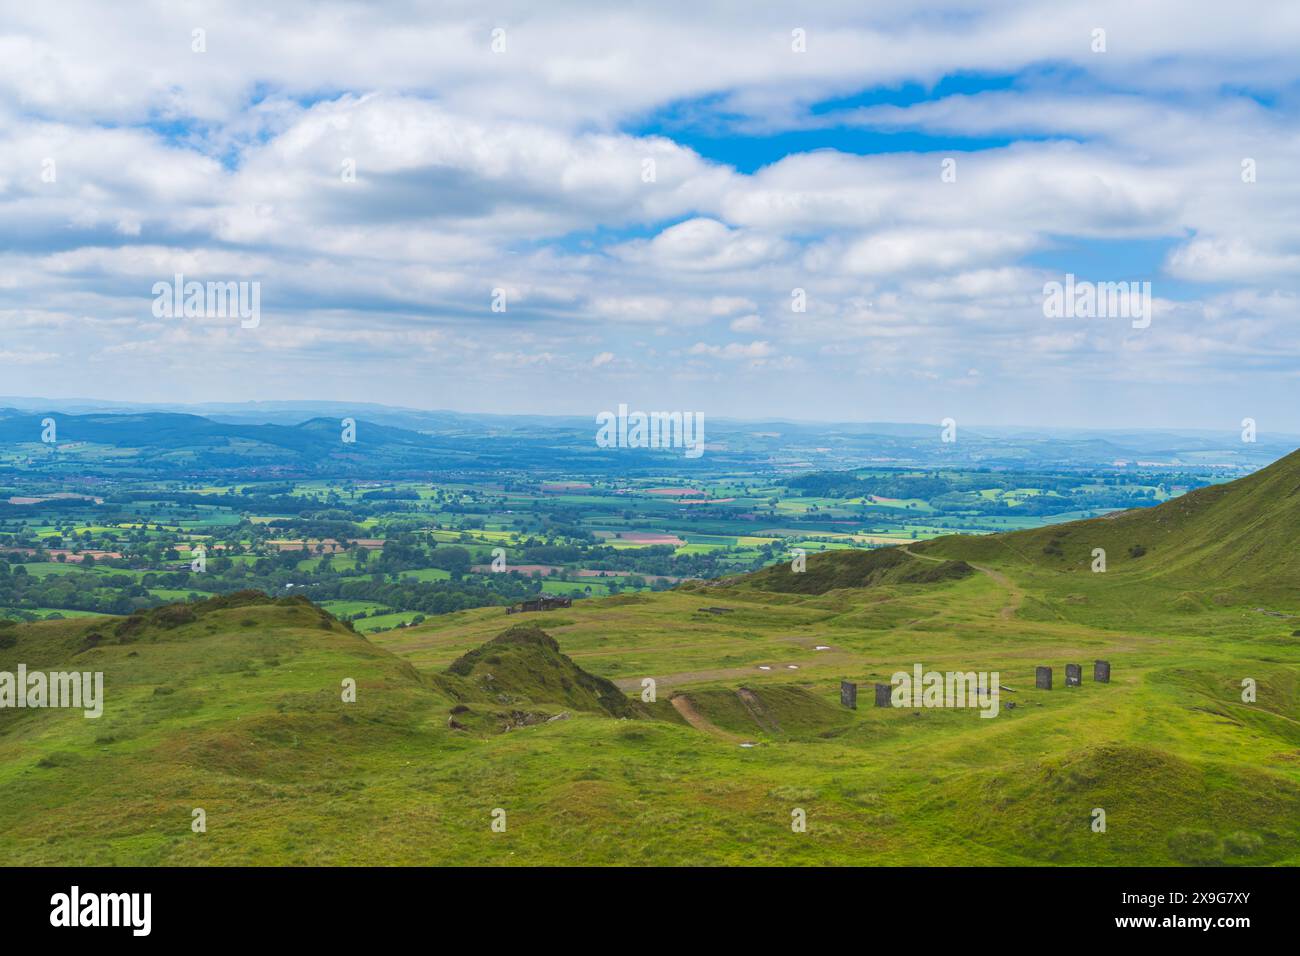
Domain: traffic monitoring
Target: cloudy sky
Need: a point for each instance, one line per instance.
(644, 190)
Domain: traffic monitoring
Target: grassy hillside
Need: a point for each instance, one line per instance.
(235, 709)
(235, 706)
(833, 570)
(1237, 535)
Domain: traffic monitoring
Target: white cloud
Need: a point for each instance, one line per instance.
(1230, 259)
(733, 351)
(900, 252)
(704, 245)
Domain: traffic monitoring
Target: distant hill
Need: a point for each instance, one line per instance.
(164, 441)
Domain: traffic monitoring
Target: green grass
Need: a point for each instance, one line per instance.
(46, 569)
(174, 594)
(47, 611)
(377, 621)
(568, 588)
(346, 608)
(426, 574)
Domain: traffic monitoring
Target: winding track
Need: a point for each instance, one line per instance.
(1015, 594)
(682, 704)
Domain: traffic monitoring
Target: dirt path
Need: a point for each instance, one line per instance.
(682, 704)
(923, 557)
(1015, 594)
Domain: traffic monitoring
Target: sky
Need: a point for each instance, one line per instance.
(559, 208)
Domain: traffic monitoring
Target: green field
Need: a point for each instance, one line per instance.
(377, 622)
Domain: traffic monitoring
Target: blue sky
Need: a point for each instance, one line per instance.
(645, 194)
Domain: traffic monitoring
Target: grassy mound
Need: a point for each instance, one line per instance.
(832, 570)
(525, 666)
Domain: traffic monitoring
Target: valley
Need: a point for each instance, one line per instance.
(399, 525)
(233, 704)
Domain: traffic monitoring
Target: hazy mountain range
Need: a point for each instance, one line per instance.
(307, 435)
